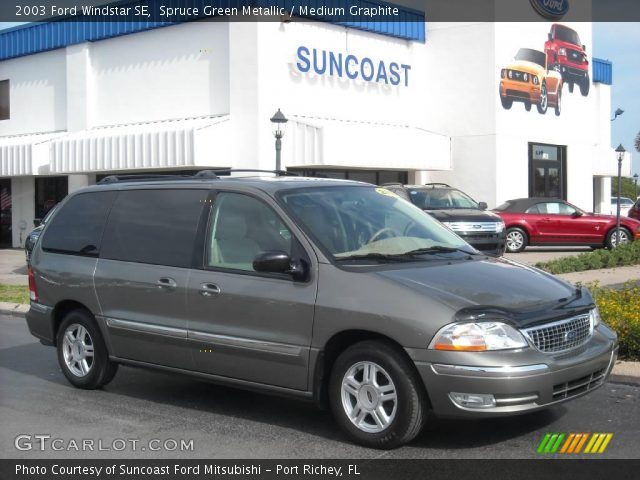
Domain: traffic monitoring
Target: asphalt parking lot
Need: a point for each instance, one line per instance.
(36, 399)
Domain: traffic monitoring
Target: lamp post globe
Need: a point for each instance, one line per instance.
(278, 126)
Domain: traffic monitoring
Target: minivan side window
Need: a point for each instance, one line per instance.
(241, 227)
(154, 226)
(77, 228)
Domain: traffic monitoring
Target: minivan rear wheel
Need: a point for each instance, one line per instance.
(82, 353)
(376, 395)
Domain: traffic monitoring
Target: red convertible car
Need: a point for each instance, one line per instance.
(551, 222)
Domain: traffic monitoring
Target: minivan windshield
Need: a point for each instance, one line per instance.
(440, 199)
(361, 222)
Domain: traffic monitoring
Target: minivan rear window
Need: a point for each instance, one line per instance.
(154, 226)
(77, 228)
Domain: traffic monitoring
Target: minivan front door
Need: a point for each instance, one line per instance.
(142, 273)
(245, 324)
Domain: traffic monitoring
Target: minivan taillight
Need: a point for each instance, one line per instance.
(33, 292)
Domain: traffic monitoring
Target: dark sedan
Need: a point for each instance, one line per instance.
(33, 236)
(553, 222)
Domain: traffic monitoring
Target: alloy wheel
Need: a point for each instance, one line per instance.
(624, 237)
(515, 240)
(369, 397)
(77, 349)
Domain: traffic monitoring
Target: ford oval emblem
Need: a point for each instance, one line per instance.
(570, 336)
(551, 9)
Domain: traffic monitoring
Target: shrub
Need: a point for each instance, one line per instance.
(628, 254)
(620, 310)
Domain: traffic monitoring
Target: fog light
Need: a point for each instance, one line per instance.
(473, 400)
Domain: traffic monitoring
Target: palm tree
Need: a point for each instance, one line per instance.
(637, 142)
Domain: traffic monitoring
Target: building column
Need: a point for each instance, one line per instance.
(79, 87)
(76, 182)
(602, 194)
(23, 209)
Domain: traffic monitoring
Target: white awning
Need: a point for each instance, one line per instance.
(163, 144)
(25, 154)
(350, 144)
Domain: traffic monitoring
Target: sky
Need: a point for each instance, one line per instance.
(619, 43)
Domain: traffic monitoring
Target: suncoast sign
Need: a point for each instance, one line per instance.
(338, 64)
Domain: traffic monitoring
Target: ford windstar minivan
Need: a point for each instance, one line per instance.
(334, 291)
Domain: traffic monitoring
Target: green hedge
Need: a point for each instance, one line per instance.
(627, 254)
(620, 310)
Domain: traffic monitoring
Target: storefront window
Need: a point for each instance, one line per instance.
(547, 167)
(376, 177)
(49, 192)
(5, 213)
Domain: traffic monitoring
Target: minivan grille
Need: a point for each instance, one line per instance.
(561, 336)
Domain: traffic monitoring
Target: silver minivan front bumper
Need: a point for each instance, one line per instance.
(507, 383)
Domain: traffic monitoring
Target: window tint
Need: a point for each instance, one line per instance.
(534, 209)
(240, 228)
(77, 228)
(154, 226)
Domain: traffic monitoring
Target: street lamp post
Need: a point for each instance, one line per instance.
(620, 151)
(635, 182)
(279, 125)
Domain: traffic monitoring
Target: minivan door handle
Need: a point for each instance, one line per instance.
(209, 289)
(166, 283)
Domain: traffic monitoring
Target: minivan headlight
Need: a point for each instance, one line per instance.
(594, 316)
(477, 337)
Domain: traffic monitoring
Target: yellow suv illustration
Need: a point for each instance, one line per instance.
(529, 80)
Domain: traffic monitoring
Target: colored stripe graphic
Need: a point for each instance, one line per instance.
(572, 443)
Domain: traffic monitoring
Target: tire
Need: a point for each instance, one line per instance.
(527, 106)
(558, 109)
(516, 240)
(394, 376)
(585, 85)
(77, 337)
(506, 103)
(543, 104)
(571, 87)
(625, 237)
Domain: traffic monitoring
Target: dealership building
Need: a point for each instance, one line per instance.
(408, 101)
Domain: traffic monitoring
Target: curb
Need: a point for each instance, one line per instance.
(627, 373)
(13, 309)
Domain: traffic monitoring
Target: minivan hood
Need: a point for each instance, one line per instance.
(464, 215)
(520, 294)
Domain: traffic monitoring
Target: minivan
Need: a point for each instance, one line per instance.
(333, 291)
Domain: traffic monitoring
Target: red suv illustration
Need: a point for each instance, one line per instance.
(568, 56)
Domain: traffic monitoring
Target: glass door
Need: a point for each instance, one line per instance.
(547, 167)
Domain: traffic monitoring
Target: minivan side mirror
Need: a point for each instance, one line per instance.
(584, 48)
(549, 36)
(37, 222)
(277, 261)
(483, 205)
(576, 214)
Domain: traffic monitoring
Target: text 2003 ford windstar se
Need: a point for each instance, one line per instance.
(329, 290)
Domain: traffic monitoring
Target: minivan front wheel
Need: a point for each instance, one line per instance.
(82, 353)
(376, 395)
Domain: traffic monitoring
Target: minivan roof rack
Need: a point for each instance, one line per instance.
(392, 184)
(141, 177)
(437, 185)
(202, 174)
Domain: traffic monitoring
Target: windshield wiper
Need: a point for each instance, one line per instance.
(395, 257)
(437, 249)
